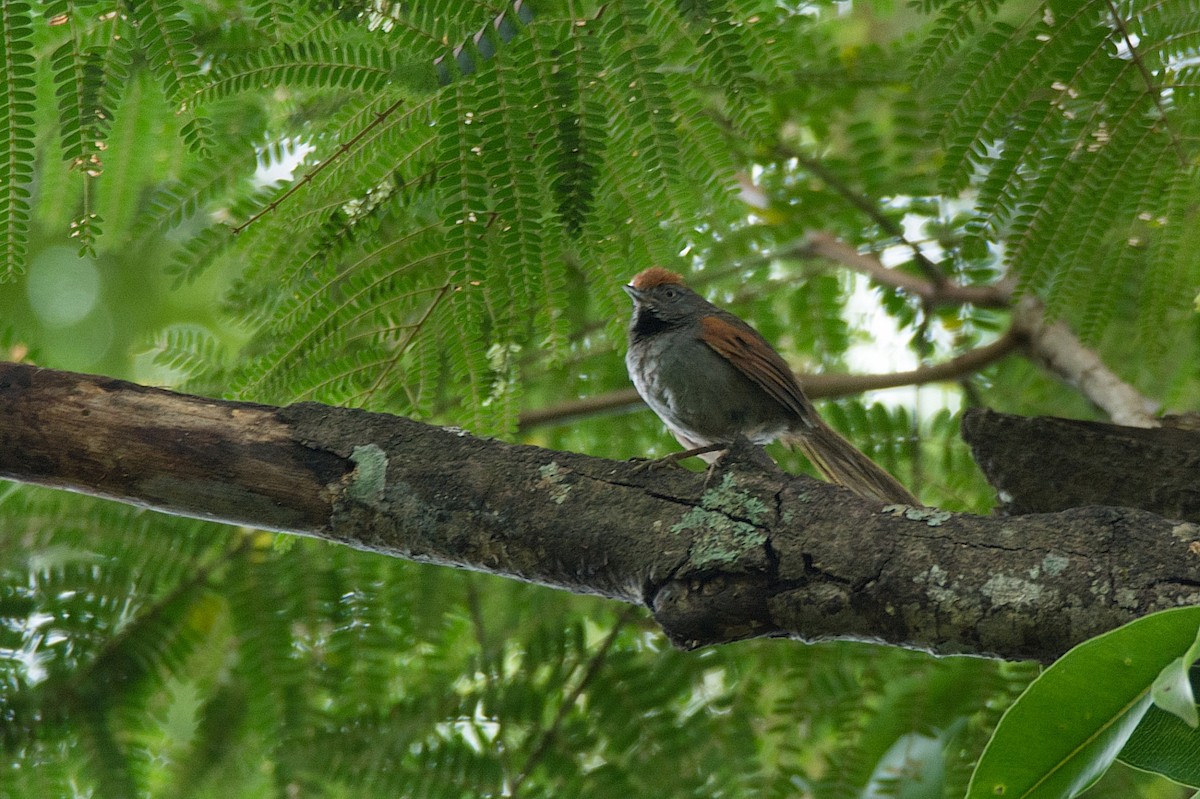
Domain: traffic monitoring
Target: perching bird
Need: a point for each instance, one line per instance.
(711, 377)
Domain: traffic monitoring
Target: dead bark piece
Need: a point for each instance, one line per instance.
(1044, 464)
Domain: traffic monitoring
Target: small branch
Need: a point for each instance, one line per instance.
(618, 401)
(595, 663)
(1057, 349)
(867, 206)
(342, 149)
(966, 364)
(816, 386)
(385, 370)
(943, 292)
(1054, 346)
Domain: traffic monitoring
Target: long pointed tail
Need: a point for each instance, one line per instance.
(841, 463)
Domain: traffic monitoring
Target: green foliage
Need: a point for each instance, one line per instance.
(315, 64)
(1075, 126)
(358, 675)
(165, 39)
(16, 133)
(474, 181)
(1073, 721)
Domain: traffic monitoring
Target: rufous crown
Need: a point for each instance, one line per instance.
(654, 276)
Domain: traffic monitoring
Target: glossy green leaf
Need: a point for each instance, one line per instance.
(1172, 690)
(1163, 744)
(1069, 726)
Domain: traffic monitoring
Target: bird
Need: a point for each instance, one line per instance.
(711, 377)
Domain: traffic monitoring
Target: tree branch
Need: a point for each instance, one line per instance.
(816, 386)
(747, 553)
(944, 292)
(1053, 345)
(1057, 349)
(1045, 464)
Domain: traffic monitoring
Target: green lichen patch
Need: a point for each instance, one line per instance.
(722, 537)
(553, 480)
(931, 516)
(370, 472)
(727, 498)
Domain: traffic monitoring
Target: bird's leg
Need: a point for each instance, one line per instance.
(698, 452)
(743, 452)
(675, 457)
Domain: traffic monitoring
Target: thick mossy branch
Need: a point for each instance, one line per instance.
(744, 552)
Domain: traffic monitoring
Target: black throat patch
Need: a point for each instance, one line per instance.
(646, 324)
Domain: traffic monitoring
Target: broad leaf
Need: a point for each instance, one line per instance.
(1068, 727)
(1165, 745)
(1172, 691)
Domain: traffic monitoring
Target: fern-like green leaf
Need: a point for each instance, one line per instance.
(315, 64)
(643, 114)
(16, 133)
(164, 35)
(575, 154)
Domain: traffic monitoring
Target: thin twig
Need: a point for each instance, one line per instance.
(1153, 89)
(817, 386)
(417, 327)
(932, 293)
(868, 207)
(342, 149)
(593, 668)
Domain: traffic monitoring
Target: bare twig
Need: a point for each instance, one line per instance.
(1059, 350)
(942, 292)
(622, 399)
(1053, 345)
(342, 149)
(550, 733)
(867, 206)
(817, 386)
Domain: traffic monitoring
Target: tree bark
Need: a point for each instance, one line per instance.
(747, 552)
(1044, 464)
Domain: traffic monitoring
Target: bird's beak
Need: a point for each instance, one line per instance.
(634, 293)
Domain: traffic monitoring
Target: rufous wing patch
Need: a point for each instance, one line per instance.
(754, 357)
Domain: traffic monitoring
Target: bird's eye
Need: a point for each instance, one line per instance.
(670, 293)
